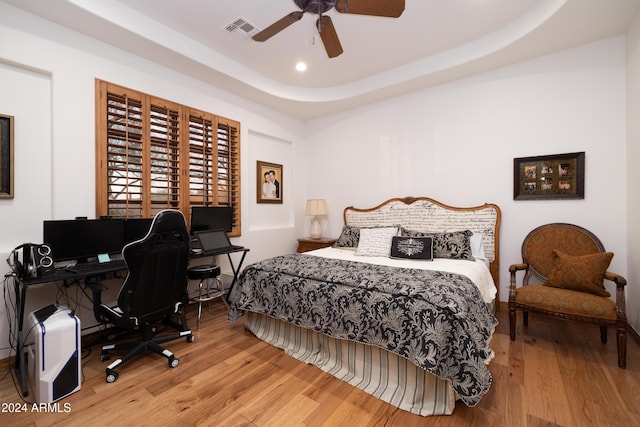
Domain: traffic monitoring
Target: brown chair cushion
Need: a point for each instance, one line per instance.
(583, 273)
(566, 301)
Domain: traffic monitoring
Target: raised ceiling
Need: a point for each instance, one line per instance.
(434, 41)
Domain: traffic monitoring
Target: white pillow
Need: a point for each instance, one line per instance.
(376, 241)
(477, 246)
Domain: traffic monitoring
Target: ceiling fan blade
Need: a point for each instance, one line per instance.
(388, 8)
(329, 36)
(278, 26)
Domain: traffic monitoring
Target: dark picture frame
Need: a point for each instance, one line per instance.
(269, 182)
(557, 176)
(6, 157)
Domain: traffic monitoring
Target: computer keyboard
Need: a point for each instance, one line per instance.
(98, 267)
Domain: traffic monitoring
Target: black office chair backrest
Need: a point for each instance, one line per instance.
(157, 269)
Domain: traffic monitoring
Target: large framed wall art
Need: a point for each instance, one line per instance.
(557, 176)
(6, 157)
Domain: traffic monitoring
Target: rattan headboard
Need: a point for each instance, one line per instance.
(428, 215)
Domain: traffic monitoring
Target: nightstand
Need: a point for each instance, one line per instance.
(306, 244)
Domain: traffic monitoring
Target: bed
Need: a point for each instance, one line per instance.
(412, 332)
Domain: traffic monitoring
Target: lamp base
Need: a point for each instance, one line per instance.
(316, 228)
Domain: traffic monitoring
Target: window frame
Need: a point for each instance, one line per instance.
(167, 155)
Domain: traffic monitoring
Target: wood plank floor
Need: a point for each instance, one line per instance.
(554, 374)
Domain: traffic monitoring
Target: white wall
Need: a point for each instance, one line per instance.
(26, 95)
(633, 174)
(271, 226)
(456, 143)
(47, 77)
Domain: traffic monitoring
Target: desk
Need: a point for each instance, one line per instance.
(228, 252)
(63, 275)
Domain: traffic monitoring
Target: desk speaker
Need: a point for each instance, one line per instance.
(41, 258)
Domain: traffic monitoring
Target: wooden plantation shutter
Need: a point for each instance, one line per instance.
(228, 168)
(120, 182)
(214, 158)
(201, 159)
(152, 154)
(164, 157)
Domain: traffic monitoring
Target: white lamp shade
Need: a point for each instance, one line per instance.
(316, 207)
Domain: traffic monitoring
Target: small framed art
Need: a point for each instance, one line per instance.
(6, 157)
(269, 182)
(557, 176)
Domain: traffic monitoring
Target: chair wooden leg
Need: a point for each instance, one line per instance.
(603, 334)
(512, 323)
(525, 318)
(621, 335)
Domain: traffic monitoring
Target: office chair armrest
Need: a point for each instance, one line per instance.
(96, 289)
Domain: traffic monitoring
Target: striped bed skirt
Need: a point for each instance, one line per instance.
(387, 376)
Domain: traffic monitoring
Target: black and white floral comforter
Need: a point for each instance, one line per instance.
(435, 319)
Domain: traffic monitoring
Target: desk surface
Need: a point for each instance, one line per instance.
(62, 274)
(224, 251)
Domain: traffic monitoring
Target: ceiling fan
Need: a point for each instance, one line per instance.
(330, 40)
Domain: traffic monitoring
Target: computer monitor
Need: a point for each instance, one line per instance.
(83, 238)
(136, 229)
(211, 218)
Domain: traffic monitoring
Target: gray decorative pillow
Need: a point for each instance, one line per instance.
(349, 237)
(376, 241)
(453, 245)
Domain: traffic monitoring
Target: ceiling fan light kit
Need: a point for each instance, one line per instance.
(324, 24)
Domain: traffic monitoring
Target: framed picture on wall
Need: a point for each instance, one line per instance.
(557, 176)
(269, 182)
(6, 157)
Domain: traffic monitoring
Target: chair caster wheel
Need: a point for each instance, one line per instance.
(190, 338)
(105, 356)
(173, 362)
(112, 375)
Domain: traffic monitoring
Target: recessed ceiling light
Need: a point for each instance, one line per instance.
(301, 66)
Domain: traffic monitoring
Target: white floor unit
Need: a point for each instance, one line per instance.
(54, 358)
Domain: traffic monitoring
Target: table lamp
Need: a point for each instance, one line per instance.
(315, 208)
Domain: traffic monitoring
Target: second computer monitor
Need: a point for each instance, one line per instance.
(211, 218)
(136, 229)
(82, 238)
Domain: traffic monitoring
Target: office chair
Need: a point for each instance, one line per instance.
(153, 291)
